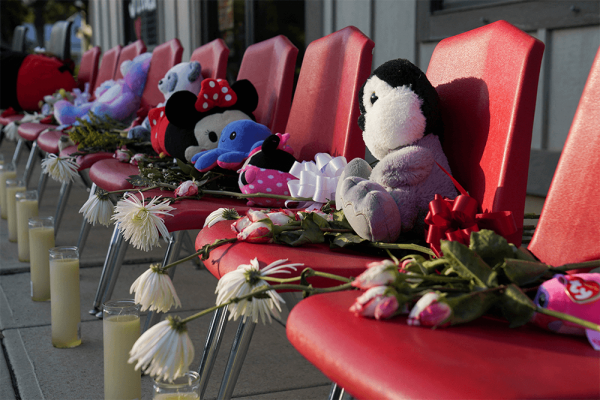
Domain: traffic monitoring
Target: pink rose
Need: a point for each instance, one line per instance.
(377, 273)
(240, 224)
(136, 159)
(374, 303)
(257, 232)
(280, 218)
(187, 188)
(429, 312)
(405, 264)
(256, 215)
(122, 155)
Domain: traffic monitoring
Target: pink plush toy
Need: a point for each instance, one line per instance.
(577, 295)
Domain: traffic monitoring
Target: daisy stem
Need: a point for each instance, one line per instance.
(204, 250)
(402, 246)
(264, 290)
(570, 318)
(308, 272)
(249, 196)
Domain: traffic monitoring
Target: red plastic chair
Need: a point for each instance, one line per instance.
(270, 66)
(128, 53)
(108, 66)
(213, 58)
(485, 358)
(322, 119)
(88, 68)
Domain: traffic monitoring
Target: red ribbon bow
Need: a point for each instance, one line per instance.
(454, 220)
(215, 93)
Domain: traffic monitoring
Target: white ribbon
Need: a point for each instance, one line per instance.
(317, 179)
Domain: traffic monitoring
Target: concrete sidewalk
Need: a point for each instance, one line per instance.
(31, 368)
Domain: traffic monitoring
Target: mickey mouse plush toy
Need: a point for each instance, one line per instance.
(402, 126)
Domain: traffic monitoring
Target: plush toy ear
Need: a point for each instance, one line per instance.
(195, 71)
(181, 110)
(247, 96)
(271, 158)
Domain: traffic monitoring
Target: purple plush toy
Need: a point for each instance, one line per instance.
(118, 100)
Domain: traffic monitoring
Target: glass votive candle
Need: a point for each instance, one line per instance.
(186, 387)
(27, 207)
(12, 187)
(65, 308)
(121, 328)
(41, 240)
(7, 171)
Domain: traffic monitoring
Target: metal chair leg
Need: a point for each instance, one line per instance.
(211, 347)
(18, 150)
(85, 226)
(336, 392)
(41, 187)
(171, 255)
(35, 151)
(239, 349)
(116, 252)
(65, 189)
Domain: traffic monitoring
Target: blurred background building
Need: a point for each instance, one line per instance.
(400, 29)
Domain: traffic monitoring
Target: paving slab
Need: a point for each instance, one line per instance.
(6, 388)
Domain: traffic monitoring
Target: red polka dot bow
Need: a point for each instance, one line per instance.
(215, 93)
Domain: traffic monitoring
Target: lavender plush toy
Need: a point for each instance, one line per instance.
(118, 100)
(402, 125)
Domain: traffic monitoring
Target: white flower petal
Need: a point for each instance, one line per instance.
(97, 210)
(62, 169)
(155, 291)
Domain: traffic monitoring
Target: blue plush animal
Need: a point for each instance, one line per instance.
(237, 142)
(118, 100)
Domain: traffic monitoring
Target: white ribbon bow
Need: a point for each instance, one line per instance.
(317, 179)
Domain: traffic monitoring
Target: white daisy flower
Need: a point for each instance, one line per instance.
(62, 169)
(221, 214)
(98, 208)
(11, 131)
(141, 223)
(247, 279)
(164, 351)
(154, 290)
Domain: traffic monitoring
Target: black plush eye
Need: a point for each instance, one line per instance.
(212, 136)
(232, 136)
(374, 98)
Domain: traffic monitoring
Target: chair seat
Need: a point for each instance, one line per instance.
(482, 359)
(7, 120)
(48, 141)
(320, 257)
(87, 160)
(111, 174)
(190, 214)
(31, 130)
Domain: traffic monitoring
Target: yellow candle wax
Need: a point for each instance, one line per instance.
(11, 208)
(40, 241)
(4, 176)
(65, 308)
(176, 396)
(121, 380)
(25, 210)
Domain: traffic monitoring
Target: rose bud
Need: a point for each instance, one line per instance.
(187, 188)
(136, 159)
(377, 273)
(257, 232)
(374, 303)
(122, 155)
(240, 224)
(428, 311)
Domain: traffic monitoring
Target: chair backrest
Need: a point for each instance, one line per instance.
(212, 57)
(88, 68)
(60, 40)
(19, 40)
(128, 53)
(487, 81)
(270, 66)
(569, 226)
(164, 57)
(324, 113)
(108, 66)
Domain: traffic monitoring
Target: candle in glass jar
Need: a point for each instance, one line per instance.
(27, 207)
(41, 240)
(7, 171)
(13, 186)
(65, 308)
(121, 329)
(186, 387)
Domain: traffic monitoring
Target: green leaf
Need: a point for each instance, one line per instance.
(522, 272)
(523, 254)
(340, 221)
(347, 239)
(490, 246)
(310, 233)
(466, 263)
(516, 307)
(470, 306)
